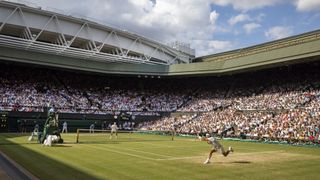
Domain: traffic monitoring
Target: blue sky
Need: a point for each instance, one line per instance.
(283, 15)
(209, 26)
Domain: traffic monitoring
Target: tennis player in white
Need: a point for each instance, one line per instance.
(216, 146)
(114, 130)
(64, 127)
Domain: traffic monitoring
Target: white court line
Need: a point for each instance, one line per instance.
(115, 150)
(191, 146)
(150, 153)
(145, 152)
(153, 147)
(143, 157)
(236, 155)
(120, 152)
(180, 158)
(161, 146)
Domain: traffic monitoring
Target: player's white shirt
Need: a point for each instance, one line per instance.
(215, 143)
(114, 127)
(36, 128)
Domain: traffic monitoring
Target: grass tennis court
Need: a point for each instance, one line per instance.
(144, 156)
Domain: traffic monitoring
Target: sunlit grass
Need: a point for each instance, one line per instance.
(142, 156)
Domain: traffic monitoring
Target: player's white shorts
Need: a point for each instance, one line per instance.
(113, 131)
(218, 148)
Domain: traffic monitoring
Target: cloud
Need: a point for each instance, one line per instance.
(167, 20)
(250, 27)
(308, 5)
(260, 17)
(213, 17)
(246, 5)
(164, 20)
(239, 18)
(206, 47)
(278, 32)
(220, 45)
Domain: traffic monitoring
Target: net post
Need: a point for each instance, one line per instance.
(77, 141)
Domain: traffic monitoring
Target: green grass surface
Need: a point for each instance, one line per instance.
(143, 156)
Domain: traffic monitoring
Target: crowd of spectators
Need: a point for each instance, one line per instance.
(286, 110)
(31, 91)
(167, 123)
(276, 105)
(291, 126)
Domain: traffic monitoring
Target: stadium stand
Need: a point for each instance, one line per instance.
(275, 105)
(280, 104)
(32, 89)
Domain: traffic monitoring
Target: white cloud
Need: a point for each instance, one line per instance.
(142, 3)
(167, 20)
(260, 17)
(213, 17)
(162, 20)
(308, 5)
(206, 47)
(220, 45)
(278, 32)
(245, 5)
(250, 27)
(239, 18)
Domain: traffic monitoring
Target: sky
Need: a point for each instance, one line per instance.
(209, 26)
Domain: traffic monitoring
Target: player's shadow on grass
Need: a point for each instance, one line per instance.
(241, 162)
(61, 145)
(99, 142)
